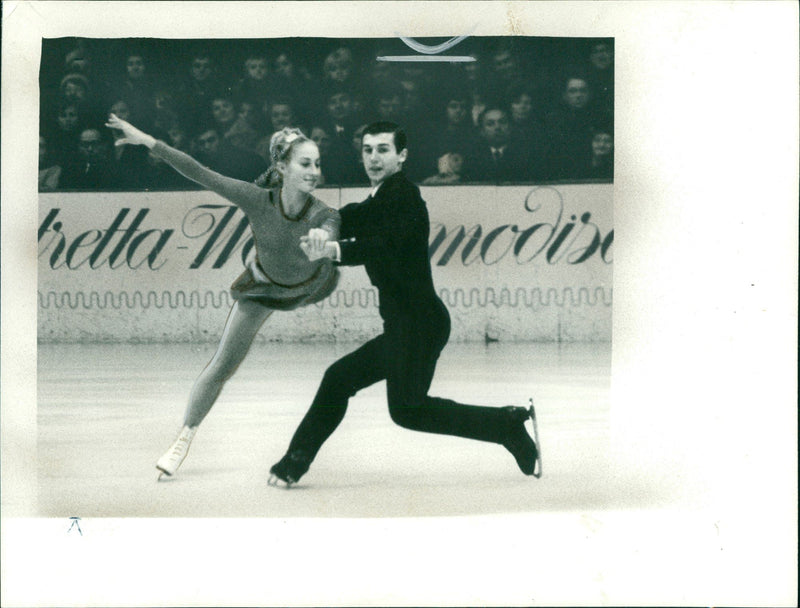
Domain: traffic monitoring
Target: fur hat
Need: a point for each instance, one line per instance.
(74, 77)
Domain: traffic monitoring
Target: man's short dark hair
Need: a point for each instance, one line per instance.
(385, 126)
(493, 107)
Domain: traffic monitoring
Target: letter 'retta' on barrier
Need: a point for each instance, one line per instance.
(534, 262)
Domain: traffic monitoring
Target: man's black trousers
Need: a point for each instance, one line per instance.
(405, 355)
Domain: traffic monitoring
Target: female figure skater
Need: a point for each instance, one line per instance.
(280, 209)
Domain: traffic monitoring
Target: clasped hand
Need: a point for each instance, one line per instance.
(317, 244)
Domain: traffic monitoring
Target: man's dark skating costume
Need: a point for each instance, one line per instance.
(388, 234)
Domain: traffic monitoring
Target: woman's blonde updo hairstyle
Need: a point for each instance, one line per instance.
(281, 145)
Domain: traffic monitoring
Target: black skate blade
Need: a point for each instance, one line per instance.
(162, 474)
(537, 469)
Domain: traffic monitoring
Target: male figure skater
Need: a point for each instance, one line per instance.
(388, 234)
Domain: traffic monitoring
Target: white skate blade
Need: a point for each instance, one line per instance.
(537, 470)
(276, 482)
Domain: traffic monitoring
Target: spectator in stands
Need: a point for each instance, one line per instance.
(453, 133)
(202, 75)
(200, 85)
(572, 124)
(177, 137)
(603, 154)
(419, 87)
(254, 87)
(602, 56)
(248, 112)
(161, 175)
(92, 168)
(279, 113)
(74, 88)
(505, 65)
(527, 123)
(521, 105)
(62, 133)
(223, 112)
(233, 130)
(338, 71)
(498, 157)
(137, 89)
(576, 93)
(600, 75)
(49, 169)
(165, 99)
(79, 60)
(249, 117)
(471, 75)
(217, 154)
(337, 68)
(597, 162)
(69, 117)
(473, 71)
(121, 109)
(166, 109)
(415, 107)
(293, 80)
(479, 99)
(340, 122)
(526, 119)
(340, 116)
(479, 83)
(135, 67)
(450, 168)
(129, 162)
(320, 137)
(340, 165)
(388, 105)
(457, 133)
(575, 111)
(284, 66)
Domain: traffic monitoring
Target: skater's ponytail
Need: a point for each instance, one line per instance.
(281, 145)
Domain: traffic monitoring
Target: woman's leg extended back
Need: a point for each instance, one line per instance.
(244, 321)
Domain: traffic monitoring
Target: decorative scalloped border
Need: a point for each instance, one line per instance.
(362, 298)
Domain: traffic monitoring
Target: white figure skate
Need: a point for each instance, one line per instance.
(172, 459)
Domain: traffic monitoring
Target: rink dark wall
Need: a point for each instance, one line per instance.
(514, 263)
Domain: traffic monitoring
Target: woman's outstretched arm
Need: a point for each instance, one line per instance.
(243, 194)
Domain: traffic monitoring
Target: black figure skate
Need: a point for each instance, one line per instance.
(289, 469)
(527, 451)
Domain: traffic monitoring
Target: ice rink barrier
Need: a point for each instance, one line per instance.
(512, 263)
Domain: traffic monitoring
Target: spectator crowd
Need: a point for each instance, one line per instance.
(528, 110)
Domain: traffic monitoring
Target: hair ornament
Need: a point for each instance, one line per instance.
(290, 138)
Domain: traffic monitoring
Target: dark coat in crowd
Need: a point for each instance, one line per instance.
(515, 162)
(80, 175)
(570, 135)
